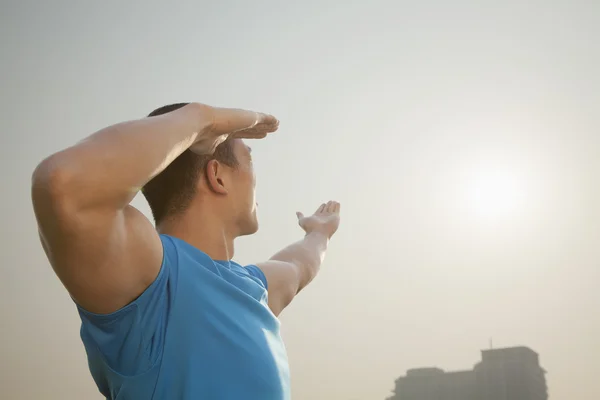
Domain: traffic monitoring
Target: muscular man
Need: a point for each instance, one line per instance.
(166, 313)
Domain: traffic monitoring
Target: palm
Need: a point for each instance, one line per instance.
(325, 220)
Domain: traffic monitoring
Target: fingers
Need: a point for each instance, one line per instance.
(257, 132)
(321, 208)
(333, 207)
(299, 215)
(243, 123)
(329, 207)
(267, 119)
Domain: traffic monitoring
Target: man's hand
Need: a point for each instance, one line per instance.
(225, 123)
(325, 220)
(294, 267)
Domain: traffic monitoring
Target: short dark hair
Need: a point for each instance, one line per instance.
(171, 191)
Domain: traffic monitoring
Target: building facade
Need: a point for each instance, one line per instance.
(502, 374)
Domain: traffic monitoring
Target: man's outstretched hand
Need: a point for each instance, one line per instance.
(325, 220)
(295, 266)
(225, 123)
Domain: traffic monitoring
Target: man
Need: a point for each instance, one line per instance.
(167, 314)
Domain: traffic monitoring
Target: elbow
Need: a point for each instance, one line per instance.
(306, 272)
(50, 182)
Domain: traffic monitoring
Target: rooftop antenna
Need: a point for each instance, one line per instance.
(491, 344)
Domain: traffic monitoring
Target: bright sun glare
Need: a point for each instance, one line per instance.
(495, 194)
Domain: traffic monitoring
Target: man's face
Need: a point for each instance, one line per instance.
(243, 190)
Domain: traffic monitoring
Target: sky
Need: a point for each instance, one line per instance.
(462, 139)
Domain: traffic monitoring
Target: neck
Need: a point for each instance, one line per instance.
(204, 232)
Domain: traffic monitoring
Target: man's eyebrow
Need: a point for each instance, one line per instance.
(249, 149)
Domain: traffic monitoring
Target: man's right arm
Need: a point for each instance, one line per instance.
(106, 252)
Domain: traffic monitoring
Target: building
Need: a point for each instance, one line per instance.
(502, 374)
(435, 384)
(511, 374)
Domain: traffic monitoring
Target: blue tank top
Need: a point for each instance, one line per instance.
(202, 330)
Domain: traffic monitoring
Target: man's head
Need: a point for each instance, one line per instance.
(222, 184)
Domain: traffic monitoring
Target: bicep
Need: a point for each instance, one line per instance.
(283, 280)
(105, 258)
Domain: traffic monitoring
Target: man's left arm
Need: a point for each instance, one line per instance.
(294, 267)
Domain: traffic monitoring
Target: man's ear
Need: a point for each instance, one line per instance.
(214, 177)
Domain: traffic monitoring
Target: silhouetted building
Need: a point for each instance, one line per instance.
(502, 374)
(435, 384)
(511, 374)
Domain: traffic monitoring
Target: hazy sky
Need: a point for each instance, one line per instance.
(461, 137)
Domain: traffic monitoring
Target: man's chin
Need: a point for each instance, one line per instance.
(250, 229)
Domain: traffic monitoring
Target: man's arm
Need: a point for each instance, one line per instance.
(294, 267)
(106, 252)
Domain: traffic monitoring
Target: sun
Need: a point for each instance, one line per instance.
(496, 193)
